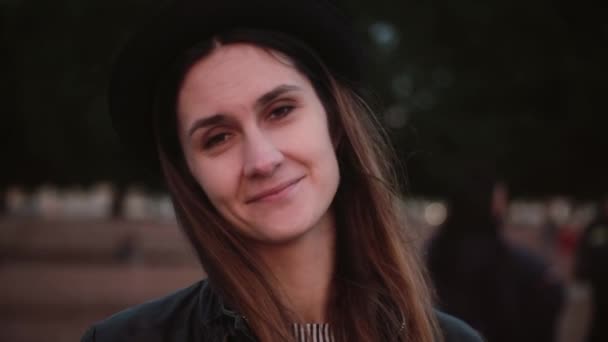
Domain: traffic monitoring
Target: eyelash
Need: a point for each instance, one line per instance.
(215, 140)
(276, 114)
(281, 112)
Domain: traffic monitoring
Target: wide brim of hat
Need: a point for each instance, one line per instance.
(151, 51)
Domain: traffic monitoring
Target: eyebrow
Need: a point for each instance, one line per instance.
(259, 103)
(273, 94)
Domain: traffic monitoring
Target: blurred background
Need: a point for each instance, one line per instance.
(507, 93)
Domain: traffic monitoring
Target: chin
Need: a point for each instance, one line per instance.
(291, 228)
(277, 234)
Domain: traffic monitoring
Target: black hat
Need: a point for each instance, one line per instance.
(149, 53)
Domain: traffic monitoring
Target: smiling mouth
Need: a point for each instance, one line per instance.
(277, 190)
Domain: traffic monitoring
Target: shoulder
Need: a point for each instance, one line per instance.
(150, 321)
(455, 330)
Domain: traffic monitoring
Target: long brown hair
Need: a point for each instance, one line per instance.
(379, 290)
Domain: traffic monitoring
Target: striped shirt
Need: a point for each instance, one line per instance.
(312, 332)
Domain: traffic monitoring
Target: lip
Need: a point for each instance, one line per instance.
(274, 191)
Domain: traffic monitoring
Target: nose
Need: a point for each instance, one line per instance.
(261, 155)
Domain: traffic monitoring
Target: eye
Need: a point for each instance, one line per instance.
(280, 112)
(216, 140)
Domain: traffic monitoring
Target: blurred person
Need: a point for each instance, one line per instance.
(504, 292)
(549, 232)
(279, 176)
(591, 267)
(500, 202)
(568, 238)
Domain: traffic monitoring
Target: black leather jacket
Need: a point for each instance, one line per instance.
(197, 314)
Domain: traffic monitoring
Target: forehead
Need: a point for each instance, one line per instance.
(243, 71)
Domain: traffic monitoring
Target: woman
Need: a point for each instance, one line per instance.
(278, 175)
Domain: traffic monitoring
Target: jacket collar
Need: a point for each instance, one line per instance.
(210, 304)
(214, 312)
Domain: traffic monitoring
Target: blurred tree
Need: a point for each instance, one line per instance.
(516, 84)
(57, 60)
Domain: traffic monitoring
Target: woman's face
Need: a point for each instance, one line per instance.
(255, 137)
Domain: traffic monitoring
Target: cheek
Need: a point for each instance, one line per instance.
(310, 135)
(320, 142)
(328, 166)
(218, 180)
(328, 162)
(313, 146)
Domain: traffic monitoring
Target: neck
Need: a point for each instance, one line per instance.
(304, 270)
